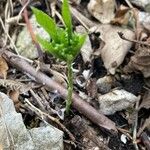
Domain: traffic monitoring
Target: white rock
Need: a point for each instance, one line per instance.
(116, 100)
(123, 138)
(140, 3)
(24, 42)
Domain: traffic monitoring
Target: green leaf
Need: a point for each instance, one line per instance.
(66, 15)
(46, 45)
(56, 50)
(46, 22)
(81, 41)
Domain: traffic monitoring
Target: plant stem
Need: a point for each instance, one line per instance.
(70, 87)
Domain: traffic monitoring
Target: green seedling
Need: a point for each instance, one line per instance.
(64, 44)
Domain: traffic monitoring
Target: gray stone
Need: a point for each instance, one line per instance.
(116, 100)
(13, 133)
(46, 137)
(140, 3)
(104, 84)
(24, 42)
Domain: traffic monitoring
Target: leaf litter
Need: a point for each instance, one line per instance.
(105, 58)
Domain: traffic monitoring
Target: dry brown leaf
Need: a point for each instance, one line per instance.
(145, 125)
(124, 16)
(3, 68)
(115, 49)
(145, 101)
(140, 62)
(102, 10)
(14, 95)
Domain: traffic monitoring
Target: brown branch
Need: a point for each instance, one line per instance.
(29, 27)
(130, 40)
(145, 140)
(82, 106)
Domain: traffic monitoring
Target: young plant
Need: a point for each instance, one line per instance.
(65, 44)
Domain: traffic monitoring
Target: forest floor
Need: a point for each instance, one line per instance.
(111, 74)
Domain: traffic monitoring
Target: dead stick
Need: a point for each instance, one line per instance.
(29, 27)
(134, 41)
(82, 106)
(145, 140)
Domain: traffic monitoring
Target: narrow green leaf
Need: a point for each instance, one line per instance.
(80, 43)
(56, 50)
(67, 17)
(47, 46)
(46, 22)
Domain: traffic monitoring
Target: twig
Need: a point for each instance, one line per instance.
(127, 133)
(12, 43)
(145, 140)
(21, 11)
(134, 41)
(7, 34)
(38, 99)
(41, 114)
(29, 27)
(135, 125)
(79, 104)
(129, 3)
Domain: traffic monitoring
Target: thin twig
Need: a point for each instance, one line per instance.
(38, 99)
(41, 114)
(29, 27)
(145, 140)
(134, 41)
(135, 124)
(127, 133)
(21, 11)
(12, 43)
(129, 3)
(6, 32)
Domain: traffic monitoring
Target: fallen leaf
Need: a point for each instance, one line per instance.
(14, 95)
(102, 10)
(116, 100)
(124, 16)
(145, 125)
(140, 62)
(91, 88)
(3, 68)
(145, 101)
(115, 49)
